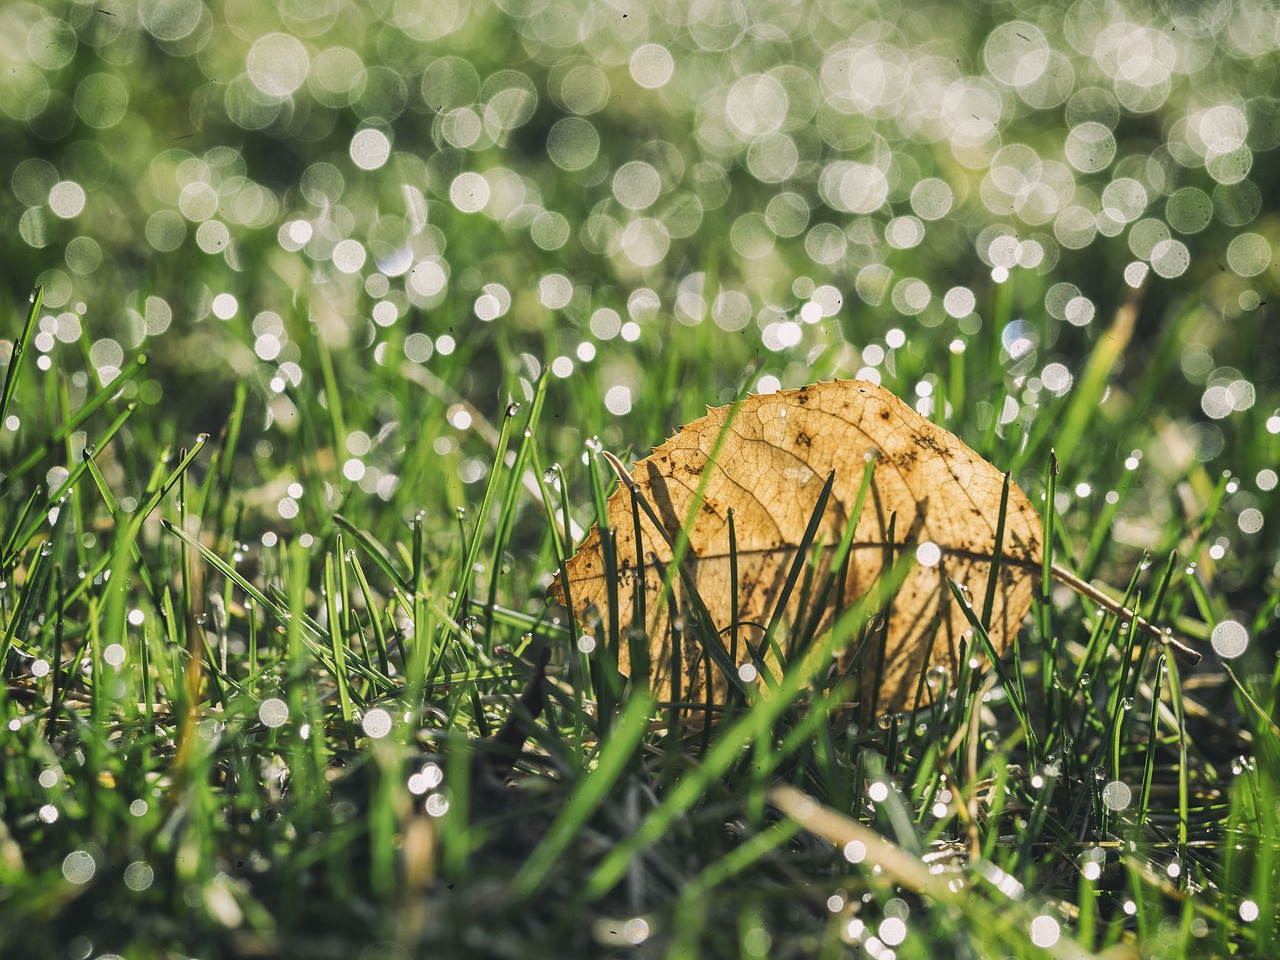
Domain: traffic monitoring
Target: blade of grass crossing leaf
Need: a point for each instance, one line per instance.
(1049, 658)
(178, 473)
(997, 551)
(880, 630)
(558, 535)
(837, 573)
(734, 584)
(1002, 674)
(798, 564)
(709, 640)
(637, 642)
(923, 681)
(727, 749)
(676, 567)
(609, 553)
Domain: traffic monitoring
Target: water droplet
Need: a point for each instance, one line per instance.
(1085, 680)
(90, 451)
(1127, 703)
(351, 555)
(513, 409)
(46, 548)
(593, 444)
(202, 438)
(462, 513)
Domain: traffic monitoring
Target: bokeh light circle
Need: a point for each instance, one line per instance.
(652, 66)
(1248, 254)
(277, 64)
(573, 143)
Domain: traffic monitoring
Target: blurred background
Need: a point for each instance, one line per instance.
(419, 205)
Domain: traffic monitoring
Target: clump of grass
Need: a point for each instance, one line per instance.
(223, 740)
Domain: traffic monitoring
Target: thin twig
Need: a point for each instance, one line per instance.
(1090, 592)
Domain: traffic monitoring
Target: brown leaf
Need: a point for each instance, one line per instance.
(775, 459)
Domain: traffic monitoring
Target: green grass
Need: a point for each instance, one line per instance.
(279, 673)
(227, 736)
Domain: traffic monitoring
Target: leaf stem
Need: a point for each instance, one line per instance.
(1090, 592)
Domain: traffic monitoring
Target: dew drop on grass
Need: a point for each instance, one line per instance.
(513, 409)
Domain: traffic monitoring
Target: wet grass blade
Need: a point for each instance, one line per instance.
(20, 347)
(1011, 688)
(73, 477)
(727, 748)
(73, 423)
(376, 551)
(586, 797)
(463, 585)
(997, 551)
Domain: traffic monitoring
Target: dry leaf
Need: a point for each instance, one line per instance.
(774, 462)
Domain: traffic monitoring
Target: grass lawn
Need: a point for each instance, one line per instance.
(339, 311)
